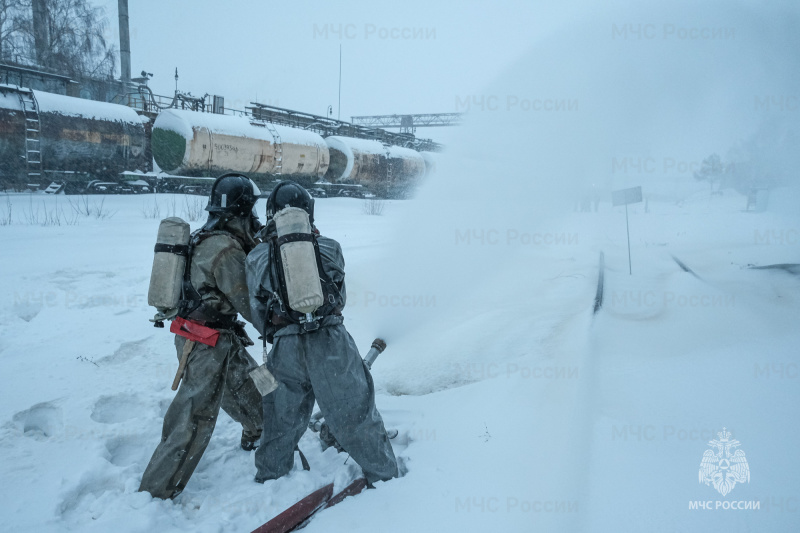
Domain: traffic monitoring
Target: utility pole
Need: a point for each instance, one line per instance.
(339, 114)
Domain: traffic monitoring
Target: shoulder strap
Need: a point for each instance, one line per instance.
(192, 298)
(329, 289)
(332, 291)
(278, 283)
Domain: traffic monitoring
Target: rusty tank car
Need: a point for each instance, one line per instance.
(47, 137)
(389, 171)
(189, 143)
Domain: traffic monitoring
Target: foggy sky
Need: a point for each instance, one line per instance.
(398, 57)
(278, 51)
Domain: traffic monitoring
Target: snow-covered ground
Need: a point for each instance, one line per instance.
(518, 409)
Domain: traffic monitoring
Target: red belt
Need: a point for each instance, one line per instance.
(194, 331)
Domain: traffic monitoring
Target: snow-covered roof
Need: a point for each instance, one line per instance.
(183, 122)
(361, 145)
(78, 107)
(69, 106)
(10, 100)
(399, 151)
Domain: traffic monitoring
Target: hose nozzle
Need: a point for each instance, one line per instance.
(378, 346)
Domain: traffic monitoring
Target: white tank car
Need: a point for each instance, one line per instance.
(189, 143)
(386, 170)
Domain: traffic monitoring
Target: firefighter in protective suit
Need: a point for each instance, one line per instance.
(218, 375)
(312, 361)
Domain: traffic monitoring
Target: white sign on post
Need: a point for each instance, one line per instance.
(625, 197)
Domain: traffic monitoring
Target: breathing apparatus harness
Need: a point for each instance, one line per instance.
(192, 306)
(280, 314)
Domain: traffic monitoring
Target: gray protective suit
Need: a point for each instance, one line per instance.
(324, 365)
(214, 376)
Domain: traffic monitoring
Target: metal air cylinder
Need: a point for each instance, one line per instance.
(303, 286)
(169, 264)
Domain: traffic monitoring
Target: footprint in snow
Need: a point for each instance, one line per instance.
(89, 489)
(27, 310)
(41, 421)
(126, 352)
(117, 408)
(128, 450)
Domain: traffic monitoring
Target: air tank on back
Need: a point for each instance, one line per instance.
(390, 171)
(189, 143)
(75, 139)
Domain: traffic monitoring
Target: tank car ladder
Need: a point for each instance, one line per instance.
(278, 168)
(389, 175)
(33, 152)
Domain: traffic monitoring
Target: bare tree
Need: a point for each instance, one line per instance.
(711, 170)
(68, 36)
(12, 19)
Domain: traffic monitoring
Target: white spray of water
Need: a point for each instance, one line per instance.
(664, 85)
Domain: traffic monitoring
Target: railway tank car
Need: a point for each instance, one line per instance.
(390, 171)
(49, 137)
(189, 143)
(431, 163)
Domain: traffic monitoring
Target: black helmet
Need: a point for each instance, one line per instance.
(233, 195)
(290, 194)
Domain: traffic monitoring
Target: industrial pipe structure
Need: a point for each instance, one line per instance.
(124, 42)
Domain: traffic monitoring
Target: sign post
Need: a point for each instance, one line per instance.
(625, 197)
